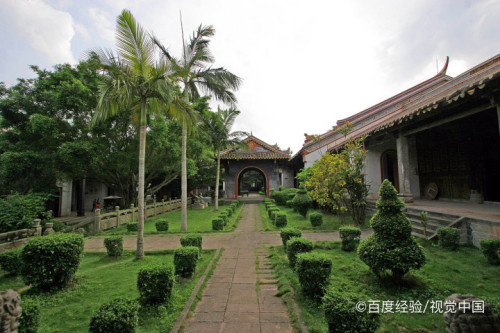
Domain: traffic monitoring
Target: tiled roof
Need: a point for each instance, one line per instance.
(259, 150)
(418, 100)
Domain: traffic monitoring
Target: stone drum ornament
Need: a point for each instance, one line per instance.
(10, 311)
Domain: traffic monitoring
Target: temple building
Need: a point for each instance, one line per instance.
(437, 140)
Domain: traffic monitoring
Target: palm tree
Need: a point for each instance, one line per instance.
(194, 73)
(218, 126)
(137, 83)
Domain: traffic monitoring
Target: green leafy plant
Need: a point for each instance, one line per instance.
(313, 270)
(132, 226)
(350, 237)
(297, 245)
(192, 240)
(342, 315)
(491, 250)
(17, 211)
(11, 261)
(30, 318)
(223, 216)
(185, 259)
(155, 283)
(316, 219)
(391, 246)
(448, 237)
(288, 233)
(118, 315)
(281, 220)
(302, 202)
(114, 245)
(274, 214)
(162, 225)
(51, 261)
(424, 221)
(218, 224)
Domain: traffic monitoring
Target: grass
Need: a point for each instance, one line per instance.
(198, 221)
(98, 280)
(446, 272)
(330, 221)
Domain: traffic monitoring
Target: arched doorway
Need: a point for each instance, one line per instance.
(249, 179)
(389, 167)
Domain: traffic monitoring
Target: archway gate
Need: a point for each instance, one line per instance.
(268, 160)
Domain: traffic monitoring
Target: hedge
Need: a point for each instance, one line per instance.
(185, 260)
(491, 250)
(192, 240)
(316, 219)
(161, 225)
(118, 315)
(281, 220)
(287, 233)
(350, 237)
(51, 261)
(295, 246)
(114, 245)
(218, 224)
(448, 237)
(132, 226)
(11, 261)
(155, 283)
(313, 270)
(30, 317)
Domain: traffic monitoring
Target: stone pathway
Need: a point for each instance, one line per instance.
(233, 300)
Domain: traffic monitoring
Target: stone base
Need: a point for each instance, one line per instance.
(198, 206)
(407, 198)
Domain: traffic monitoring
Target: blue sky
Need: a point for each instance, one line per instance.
(305, 64)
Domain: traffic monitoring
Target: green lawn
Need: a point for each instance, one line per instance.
(198, 221)
(446, 272)
(101, 278)
(330, 221)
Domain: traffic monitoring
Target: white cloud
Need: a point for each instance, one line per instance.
(103, 22)
(47, 30)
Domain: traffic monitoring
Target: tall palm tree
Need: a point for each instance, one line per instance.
(137, 83)
(218, 125)
(195, 74)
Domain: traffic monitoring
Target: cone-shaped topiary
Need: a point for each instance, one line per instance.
(302, 201)
(391, 246)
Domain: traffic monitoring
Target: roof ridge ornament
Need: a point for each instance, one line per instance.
(445, 67)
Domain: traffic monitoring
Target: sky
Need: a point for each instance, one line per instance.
(304, 64)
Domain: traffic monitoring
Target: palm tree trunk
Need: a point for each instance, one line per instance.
(140, 225)
(217, 175)
(184, 178)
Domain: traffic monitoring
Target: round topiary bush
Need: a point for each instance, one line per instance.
(281, 220)
(30, 318)
(161, 225)
(218, 224)
(316, 219)
(490, 249)
(295, 246)
(302, 201)
(391, 246)
(114, 245)
(288, 233)
(155, 283)
(11, 261)
(350, 237)
(185, 260)
(313, 270)
(448, 237)
(342, 316)
(51, 261)
(118, 315)
(132, 226)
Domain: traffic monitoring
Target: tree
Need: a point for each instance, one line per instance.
(194, 72)
(391, 246)
(219, 125)
(138, 84)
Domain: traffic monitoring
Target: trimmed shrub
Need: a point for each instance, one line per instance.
(289, 203)
(297, 245)
(132, 226)
(342, 316)
(302, 201)
(391, 246)
(270, 205)
(185, 260)
(271, 210)
(490, 249)
(30, 318)
(155, 283)
(114, 245)
(223, 217)
(274, 213)
(313, 270)
(119, 315)
(51, 261)
(448, 237)
(229, 212)
(238, 203)
(218, 224)
(288, 233)
(11, 261)
(350, 237)
(316, 219)
(192, 240)
(281, 220)
(161, 225)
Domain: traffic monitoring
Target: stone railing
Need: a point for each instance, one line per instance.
(13, 239)
(119, 217)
